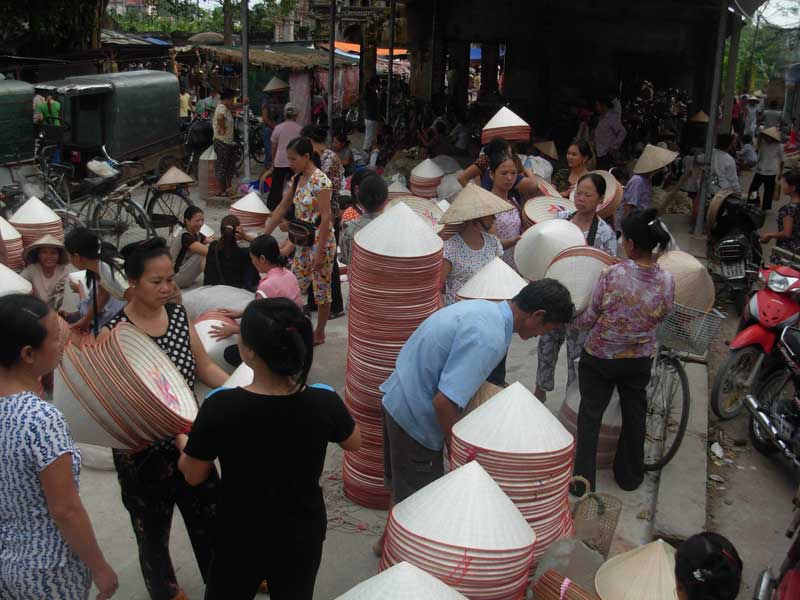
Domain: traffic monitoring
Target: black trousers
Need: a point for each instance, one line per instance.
(768, 181)
(290, 572)
(597, 378)
(279, 177)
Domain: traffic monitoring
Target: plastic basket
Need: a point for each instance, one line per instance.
(688, 330)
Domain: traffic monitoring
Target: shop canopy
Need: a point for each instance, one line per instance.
(356, 49)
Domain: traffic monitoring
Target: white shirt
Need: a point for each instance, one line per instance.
(770, 157)
(724, 166)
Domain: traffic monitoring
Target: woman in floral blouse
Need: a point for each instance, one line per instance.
(630, 300)
(311, 196)
(788, 235)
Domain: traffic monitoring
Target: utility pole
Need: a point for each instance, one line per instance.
(392, 15)
(331, 70)
(245, 71)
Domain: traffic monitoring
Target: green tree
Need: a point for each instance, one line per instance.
(52, 27)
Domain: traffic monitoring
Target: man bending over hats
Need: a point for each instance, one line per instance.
(440, 369)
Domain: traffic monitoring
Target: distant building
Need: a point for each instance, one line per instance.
(122, 7)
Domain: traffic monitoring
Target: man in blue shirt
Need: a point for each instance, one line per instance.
(440, 369)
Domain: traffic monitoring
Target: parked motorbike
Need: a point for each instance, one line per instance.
(786, 586)
(753, 355)
(733, 246)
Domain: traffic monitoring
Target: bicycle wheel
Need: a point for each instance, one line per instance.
(120, 221)
(166, 208)
(69, 220)
(667, 412)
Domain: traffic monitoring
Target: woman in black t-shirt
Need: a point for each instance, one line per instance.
(271, 438)
(227, 263)
(191, 248)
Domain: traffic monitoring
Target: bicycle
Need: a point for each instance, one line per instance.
(165, 206)
(683, 337)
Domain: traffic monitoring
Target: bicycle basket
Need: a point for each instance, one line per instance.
(688, 330)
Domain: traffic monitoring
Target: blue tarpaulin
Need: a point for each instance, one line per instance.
(157, 41)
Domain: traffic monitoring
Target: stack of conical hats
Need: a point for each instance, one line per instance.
(251, 211)
(464, 530)
(395, 285)
(544, 208)
(644, 573)
(12, 283)
(540, 244)
(507, 125)
(425, 178)
(397, 190)
(34, 220)
(425, 208)
(579, 269)
(12, 242)
(403, 581)
(527, 452)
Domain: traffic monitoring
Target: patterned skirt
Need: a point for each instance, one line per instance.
(225, 166)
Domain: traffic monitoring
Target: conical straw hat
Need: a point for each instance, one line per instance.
(771, 132)
(505, 118)
(494, 281)
(399, 232)
(214, 347)
(578, 269)
(423, 207)
(403, 581)
(514, 421)
(398, 188)
(11, 283)
(467, 509)
(45, 241)
(654, 158)
(699, 117)
(644, 573)
(33, 212)
(548, 149)
(242, 376)
(446, 163)
(693, 285)
(174, 176)
(474, 202)
(7, 231)
(427, 169)
(544, 208)
(276, 85)
(251, 203)
(540, 244)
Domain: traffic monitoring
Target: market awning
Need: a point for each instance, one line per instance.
(356, 49)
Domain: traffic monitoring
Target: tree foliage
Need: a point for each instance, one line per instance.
(41, 28)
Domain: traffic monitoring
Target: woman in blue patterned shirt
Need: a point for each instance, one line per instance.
(47, 545)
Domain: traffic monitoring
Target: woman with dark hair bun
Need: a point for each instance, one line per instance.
(49, 549)
(578, 154)
(311, 229)
(149, 479)
(270, 438)
(708, 567)
(630, 300)
(227, 263)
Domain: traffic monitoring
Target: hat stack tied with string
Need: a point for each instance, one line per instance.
(214, 347)
(426, 209)
(530, 455)
(395, 285)
(425, 178)
(544, 208)
(251, 211)
(123, 392)
(472, 202)
(403, 581)
(507, 125)
(12, 242)
(12, 282)
(464, 530)
(34, 220)
(540, 244)
(494, 281)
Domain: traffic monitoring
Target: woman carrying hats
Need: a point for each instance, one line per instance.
(639, 189)
(47, 270)
(476, 244)
(769, 165)
(49, 549)
(526, 183)
(630, 300)
(589, 193)
(311, 230)
(150, 482)
(578, 154)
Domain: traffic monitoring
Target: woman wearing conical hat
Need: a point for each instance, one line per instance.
(47, 270)
(639, 189)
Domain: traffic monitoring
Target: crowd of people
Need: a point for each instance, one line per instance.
(264, 521)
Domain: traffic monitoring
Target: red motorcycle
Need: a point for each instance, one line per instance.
(753, 355)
